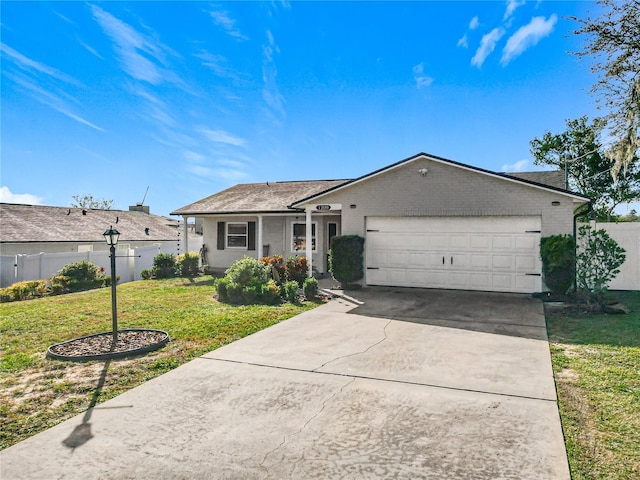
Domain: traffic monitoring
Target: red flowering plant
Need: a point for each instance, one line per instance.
(278, 267)
(297, 268)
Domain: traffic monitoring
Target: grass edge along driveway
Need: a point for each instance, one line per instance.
(37, 393)
(596, 364)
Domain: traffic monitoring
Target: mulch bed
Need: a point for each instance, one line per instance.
(102, 343)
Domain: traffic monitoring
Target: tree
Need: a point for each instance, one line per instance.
(87, 201)
(598, 261)
(581, 152)
(614, 46)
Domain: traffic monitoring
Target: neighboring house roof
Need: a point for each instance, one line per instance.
(576, 196)
(554, 178)
(269, 197)
(39, 223)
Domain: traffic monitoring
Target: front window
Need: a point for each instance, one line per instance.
(236, 235)
(300, 238)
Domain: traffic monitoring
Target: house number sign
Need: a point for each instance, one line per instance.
(333, 206)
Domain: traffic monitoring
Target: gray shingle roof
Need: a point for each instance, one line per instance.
(553, 178)
(257, 197)
(39, 223)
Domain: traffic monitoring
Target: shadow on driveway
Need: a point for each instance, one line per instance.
(517, 315)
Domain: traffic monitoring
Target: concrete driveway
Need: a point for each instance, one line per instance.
(392, 383)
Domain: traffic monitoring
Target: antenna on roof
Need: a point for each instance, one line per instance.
(145, 195)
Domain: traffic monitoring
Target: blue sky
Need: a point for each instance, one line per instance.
(189, 98)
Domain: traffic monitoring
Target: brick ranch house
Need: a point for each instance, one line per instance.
(427, 222)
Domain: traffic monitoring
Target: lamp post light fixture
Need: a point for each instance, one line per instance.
(111, 236)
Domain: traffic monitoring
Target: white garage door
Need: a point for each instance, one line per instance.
(469, 253)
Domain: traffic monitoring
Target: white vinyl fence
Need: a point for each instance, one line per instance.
(129, 262)
(627, 235)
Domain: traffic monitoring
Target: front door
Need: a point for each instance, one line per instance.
(332, 231)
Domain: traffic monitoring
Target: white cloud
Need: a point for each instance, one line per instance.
(28, 64)
(421, 79)
(463, 42)
(270, 93)
(7, 196)
(520, 166)
(512, 5)
(527, 36)
(474, 23)
(487, 45)
(140, 55)
(228, 24)
(51, 100)
(216, 173)
(220, 136)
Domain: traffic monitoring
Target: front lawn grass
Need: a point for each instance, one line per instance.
(37, 393)
(596, 363)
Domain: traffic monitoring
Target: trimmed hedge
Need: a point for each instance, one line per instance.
(345, 259)
(558, 253)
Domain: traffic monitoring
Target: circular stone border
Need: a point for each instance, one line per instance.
(111, 354)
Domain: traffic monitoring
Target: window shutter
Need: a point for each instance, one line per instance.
(221, 233)
(251, 236)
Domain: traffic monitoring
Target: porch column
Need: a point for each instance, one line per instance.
(259, 245)
(308, 240)
(186, 235)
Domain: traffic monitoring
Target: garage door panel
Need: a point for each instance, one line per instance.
(435, 260)
(479, 242)
(416, 242)
(501, 282)
(479, 253)
(418, 260)
(437, 242)
(502, 262)
(479, 280)
(459, 242)
(502, 242)
(480, 261)
(525, 263)
(397, 259)
(526, 283)
(459, 280)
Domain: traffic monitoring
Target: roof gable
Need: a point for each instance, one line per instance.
(424, 156)
(40, 223)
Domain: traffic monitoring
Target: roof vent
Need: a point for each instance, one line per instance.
(139, 207)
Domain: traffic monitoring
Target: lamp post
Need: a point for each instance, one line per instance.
(111, 236)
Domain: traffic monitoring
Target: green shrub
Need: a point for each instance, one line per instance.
(83, 275)
(599, 257)
(164, 266)
(23, 291)
(246, 283)
(146, 274)
(248, 272)
(558, 262)
(5, 296)
(188, 264)
(221, 285)
(289, 291)
(270, 294)
(57, 285)
(107, 280)
(297, 269)
(310, 288)
(345, 259)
